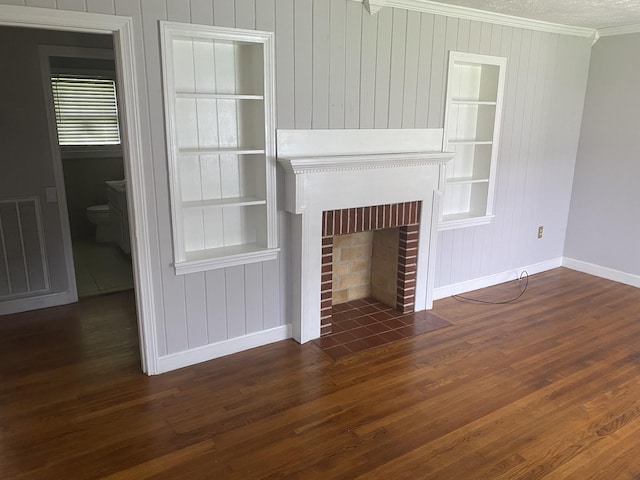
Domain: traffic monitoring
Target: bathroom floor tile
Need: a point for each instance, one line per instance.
(101, 268)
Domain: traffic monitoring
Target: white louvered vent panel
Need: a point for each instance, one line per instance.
(23, 263)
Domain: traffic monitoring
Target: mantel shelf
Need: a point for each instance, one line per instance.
(301, 165)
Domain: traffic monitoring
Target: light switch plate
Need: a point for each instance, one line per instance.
(51, 194)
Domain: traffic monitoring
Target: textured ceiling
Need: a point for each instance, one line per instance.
(577, 13)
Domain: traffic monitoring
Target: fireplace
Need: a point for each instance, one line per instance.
(403, 219)
(342, 180)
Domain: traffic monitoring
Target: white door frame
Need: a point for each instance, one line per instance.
(132, 148)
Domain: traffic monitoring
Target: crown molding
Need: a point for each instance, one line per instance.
(623, 30)
(373, 6)
(427, 6)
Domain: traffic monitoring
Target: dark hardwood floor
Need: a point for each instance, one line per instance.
(547, 387)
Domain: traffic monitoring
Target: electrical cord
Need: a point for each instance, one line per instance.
(462, 298)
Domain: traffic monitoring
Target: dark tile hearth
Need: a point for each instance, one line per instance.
(366, 323)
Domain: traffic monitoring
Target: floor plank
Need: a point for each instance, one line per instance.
(546, 387)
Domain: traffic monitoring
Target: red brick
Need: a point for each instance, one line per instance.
(344, 224)
(336, 222)
(327, 226)
(325, 330)
(410, 275)
(366, 221)
(352, 221)
(379, 217)
(387, 216)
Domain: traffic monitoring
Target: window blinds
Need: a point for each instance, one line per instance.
(86, 110)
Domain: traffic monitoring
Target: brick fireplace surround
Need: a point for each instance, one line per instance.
(404, 215)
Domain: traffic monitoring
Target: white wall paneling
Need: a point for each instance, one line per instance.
(303, 63)
(321, 66)
(99, 6)
(353, 79)
(383, 70)
(545, 85)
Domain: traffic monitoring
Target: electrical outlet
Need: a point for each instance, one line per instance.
(540, 231)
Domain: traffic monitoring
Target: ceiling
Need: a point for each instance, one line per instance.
(594, 14)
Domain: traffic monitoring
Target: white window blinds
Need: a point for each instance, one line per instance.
(86, 110)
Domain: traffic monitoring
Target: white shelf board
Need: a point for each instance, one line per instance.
(470, 142)
(472, 102)
(225, 202)
(218, 151)
(223, 257)
(466, 180)
(461, 220)
(223, 96)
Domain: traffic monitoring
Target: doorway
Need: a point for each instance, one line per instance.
(80, 88)
(120, 29)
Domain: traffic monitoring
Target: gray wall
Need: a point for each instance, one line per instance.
(339, 67)
(603, 224)
(25, 152)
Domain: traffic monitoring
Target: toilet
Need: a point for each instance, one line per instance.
(100, 216)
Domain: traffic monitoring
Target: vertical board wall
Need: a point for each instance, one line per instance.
(339, 67)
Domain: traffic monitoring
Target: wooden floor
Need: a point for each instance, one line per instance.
(548, 387)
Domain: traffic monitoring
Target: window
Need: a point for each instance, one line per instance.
(86, 110)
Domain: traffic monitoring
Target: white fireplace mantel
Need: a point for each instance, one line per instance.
(337, 169)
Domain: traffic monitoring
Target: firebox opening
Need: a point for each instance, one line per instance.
(365, 264)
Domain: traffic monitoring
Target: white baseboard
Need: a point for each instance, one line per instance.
(220, 349)
(495, 279)
(26, 304)
(603, 272)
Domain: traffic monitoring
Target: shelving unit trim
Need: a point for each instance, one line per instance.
(219, 91)
(473, 110)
